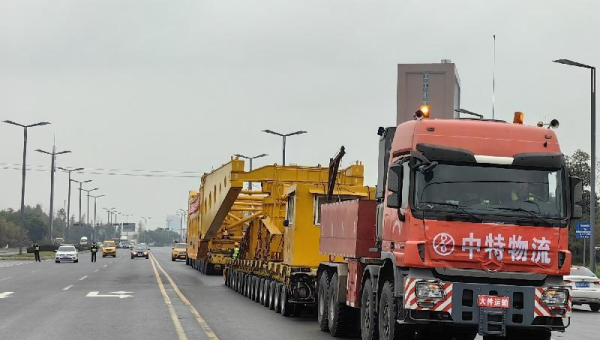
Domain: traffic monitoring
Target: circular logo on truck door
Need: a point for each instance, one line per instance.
(443, 244)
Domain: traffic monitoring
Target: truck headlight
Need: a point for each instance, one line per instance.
(554, 296)
(429, 290)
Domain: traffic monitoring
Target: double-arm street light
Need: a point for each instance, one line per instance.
(284, 138)
(69, 198)
(250, 159)
(592, 156)
(183, 214)
(94, 226)
(81, 183)
(87, 214)
(25, 127)
(53, 155)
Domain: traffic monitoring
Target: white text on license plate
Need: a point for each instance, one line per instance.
(491, 301)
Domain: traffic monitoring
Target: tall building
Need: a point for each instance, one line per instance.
(436, 85)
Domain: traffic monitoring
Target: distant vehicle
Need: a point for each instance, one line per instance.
(59, 241)
(140, 251)
(99, 244)
(178, 251)
(585, 287)
(66, 253)
(83, 241)
(109, 248)
(126, 245)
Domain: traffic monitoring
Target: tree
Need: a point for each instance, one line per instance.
(578, 165)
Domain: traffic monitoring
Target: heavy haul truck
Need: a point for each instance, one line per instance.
(468, 234)
(279, 249)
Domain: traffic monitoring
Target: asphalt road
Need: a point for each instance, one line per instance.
(123, 299)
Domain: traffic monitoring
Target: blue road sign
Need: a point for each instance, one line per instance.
(583, 230)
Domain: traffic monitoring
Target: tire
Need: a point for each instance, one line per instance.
(286, 307)
(465, 334)
(248, 290)
(323, 301)
(147, 257)
(277, 302)
(132, 257)
(595, 307)
(261, 292)
(272, 290)
(338, 314)
(389, 329)
(256, 287)
(266, 292)
(76, 261)
(242, 283)
(368, 313)
(56, 261)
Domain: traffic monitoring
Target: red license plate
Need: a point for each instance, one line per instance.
(491, 301)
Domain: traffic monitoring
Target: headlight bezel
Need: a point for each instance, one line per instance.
(429, 290)
(553, 300)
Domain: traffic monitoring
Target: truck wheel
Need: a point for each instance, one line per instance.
(337, 313)
(277, 303)
(368, 313)
(266, 292)
(248, 291)
(595, 307)
(389, 329)
(272, 289)
(322, 301)
(286, 306)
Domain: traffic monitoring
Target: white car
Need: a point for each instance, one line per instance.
(585, 287)
(66, 253)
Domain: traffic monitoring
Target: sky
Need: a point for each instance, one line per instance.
(180, 86)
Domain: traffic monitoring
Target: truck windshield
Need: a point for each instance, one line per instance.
(492, 191)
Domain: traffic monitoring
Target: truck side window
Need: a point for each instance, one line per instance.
(291, 208)
(405, 185)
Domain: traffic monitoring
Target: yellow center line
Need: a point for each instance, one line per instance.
(178, 328)
(209, 332)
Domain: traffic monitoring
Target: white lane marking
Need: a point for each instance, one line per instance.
(120, 296)
(6, 278)
(83, 278)
(105, 266)
(5, 295)
(95, 271)
(67, 287)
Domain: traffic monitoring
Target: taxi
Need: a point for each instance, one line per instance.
(178, 251)
(109, 248)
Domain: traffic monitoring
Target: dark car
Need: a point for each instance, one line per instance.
(140, 251)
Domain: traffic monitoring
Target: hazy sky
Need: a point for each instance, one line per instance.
(182, 85)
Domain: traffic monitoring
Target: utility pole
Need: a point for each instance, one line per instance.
(53, 155)
(87, 215)
(95, 226)
(23, 173)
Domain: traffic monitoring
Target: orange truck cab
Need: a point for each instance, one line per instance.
(471, 234)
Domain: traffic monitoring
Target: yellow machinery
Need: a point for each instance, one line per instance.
(279, 253)
(213, 231)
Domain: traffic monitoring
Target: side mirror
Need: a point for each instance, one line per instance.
(576, 189)
(394, 183)
(286, 223)
(393, 201)
(55, 250)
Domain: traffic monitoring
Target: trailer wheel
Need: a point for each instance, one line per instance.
(261, 292)
(249, 286)
(286, 306)
(272, 290)
(368, 313)
(389, 329)
(256, 289)
(266, 292)
(322, 301)
(277, 303)
(338, 313)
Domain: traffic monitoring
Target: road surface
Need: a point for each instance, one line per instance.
(122, 298)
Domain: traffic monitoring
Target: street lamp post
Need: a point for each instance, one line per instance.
(183, 213)
(80, 190)
(284, 138)
(145, 226)
(53, 155)
(25, 127)
(593, 158)
(94, 226)
(87, 214)
(69, 199)
(250, 159)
